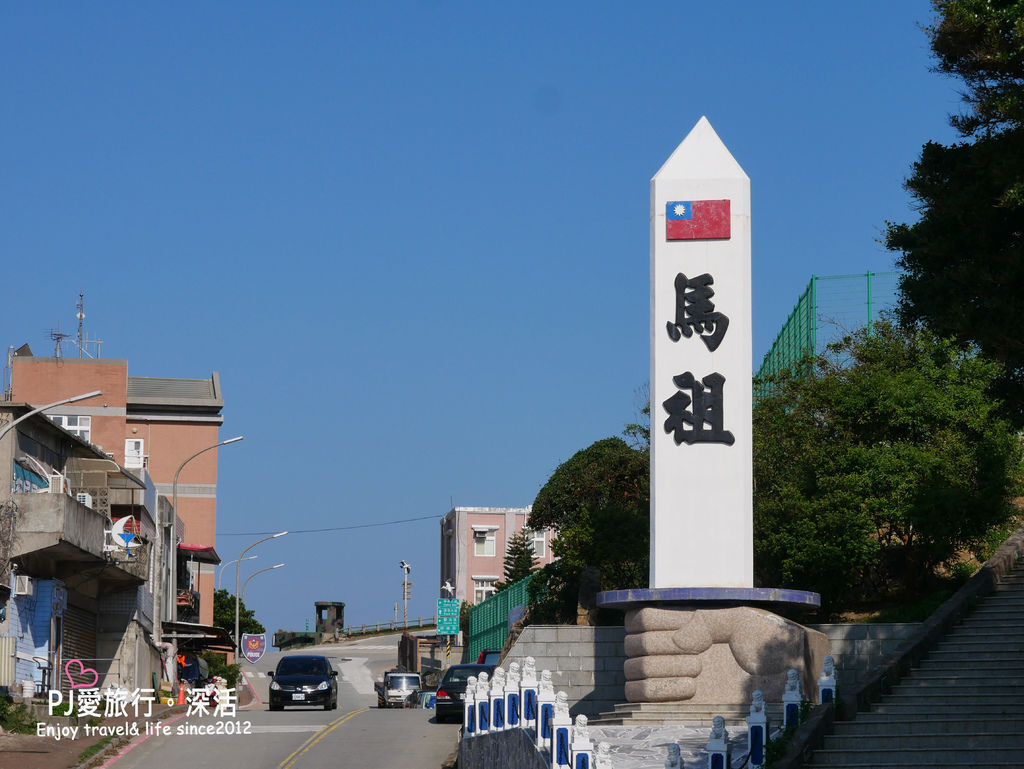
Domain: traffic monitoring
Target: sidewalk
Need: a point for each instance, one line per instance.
(30, 751)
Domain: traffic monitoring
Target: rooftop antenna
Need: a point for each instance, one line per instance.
(58, 338)
(83, 341)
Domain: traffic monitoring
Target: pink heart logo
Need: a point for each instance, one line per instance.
(82, 670)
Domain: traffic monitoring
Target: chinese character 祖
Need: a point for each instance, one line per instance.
(696, 312)
(698, 417)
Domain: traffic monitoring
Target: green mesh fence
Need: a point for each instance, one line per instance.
(488, 620)
(829, 308)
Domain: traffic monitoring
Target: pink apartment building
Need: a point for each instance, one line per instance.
(473, 545)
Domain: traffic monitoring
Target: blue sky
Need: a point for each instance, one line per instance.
(413, 238)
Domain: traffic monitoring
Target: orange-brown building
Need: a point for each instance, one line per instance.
(148, 423)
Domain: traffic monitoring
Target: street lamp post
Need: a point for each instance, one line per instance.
(174, 504)
(406, 568)
(238, 570)
(269, 568)
(220, 576)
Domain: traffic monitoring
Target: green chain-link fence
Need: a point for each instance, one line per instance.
(830, 307)
(488, 620)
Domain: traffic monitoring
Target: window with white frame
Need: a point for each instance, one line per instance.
(482, 588)
(483, 541)
(77, 425)
(134, 452)
(538, 544)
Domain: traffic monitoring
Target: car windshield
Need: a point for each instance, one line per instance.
(403, 682)
(302, 666)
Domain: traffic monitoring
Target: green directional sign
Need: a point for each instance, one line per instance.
(447, 616)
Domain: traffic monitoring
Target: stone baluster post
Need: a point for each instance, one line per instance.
(498, 700)
(827, 683)
(719, 750)
(561, 737)
(545, 710)
(528, 695)
(513, 702)
(791, 699)
(483, 704)
(757, 730)
(469, 709)
(582, 747)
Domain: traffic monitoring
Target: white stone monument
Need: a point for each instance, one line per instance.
(701, 395)
(498, 700)
(701, 631)
(561, 737)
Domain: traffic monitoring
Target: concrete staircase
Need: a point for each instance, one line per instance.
(963, 707)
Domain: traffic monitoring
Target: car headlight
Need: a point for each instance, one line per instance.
(323, 685)
(275, 686)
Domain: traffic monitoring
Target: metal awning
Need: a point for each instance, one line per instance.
(191, 636)
(199, 553)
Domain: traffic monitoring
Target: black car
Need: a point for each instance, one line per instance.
(304, 679)
(452, 690)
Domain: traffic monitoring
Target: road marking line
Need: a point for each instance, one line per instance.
(289, 762)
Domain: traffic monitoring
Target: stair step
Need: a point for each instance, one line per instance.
(917, 709)
(883, 724)
(978, 757)
(925, 741)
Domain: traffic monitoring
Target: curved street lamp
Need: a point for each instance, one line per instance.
(238, 570)
(220, 576)
(269, 568)
(174, 504)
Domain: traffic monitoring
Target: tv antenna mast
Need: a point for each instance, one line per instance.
(82, 340)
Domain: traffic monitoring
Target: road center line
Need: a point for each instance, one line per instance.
(289, 762)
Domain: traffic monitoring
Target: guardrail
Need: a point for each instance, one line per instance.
(385, 627)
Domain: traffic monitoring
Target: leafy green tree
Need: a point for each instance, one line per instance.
(890, 461)
(224, 614)
(964, 257)
(519, 558)
(598, 503)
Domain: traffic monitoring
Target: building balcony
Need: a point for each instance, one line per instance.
(60, 538)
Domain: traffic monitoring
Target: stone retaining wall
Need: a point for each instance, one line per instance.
(585, 662)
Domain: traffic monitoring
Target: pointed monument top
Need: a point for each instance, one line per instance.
(701, 155)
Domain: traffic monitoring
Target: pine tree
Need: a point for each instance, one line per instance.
(519, 559)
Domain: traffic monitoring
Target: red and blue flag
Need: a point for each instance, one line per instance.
(697, 220)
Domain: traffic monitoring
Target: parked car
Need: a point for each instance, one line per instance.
(423, 700)
(304, 679)
(489, 657)
(395, 687)
(452, 690)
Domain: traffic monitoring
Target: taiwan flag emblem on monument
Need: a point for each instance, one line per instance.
(697, 220)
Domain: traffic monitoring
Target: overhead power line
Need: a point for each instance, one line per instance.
(332, 528)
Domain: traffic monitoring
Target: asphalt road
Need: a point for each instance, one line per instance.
(356, 735)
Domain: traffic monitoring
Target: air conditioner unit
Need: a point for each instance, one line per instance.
(84, 499)
(56, 483)
(23, 585)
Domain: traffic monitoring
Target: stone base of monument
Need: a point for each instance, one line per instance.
(715, 645)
